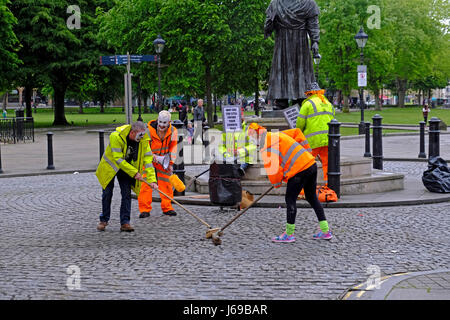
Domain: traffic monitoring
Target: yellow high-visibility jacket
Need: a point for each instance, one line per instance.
(246, 151)
(313, 120)
(113, 159)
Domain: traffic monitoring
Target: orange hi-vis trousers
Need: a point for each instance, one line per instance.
(145, 195)
(323, 154)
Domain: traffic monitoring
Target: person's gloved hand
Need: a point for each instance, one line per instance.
(139, 177)
(154, 185)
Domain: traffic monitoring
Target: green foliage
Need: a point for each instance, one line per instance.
(409, 46)
(9, 45)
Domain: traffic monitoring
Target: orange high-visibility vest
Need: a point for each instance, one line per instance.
(285, 154)
(167, 145)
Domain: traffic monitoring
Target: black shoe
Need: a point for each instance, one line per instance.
(241, 172)
(144, 215)
(170, 213)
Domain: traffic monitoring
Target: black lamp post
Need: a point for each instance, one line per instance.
(159, 44)
(317, 57)
(361, 39)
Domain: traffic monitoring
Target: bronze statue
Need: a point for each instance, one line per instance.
(292, 69)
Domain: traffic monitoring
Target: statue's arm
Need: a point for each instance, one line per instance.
(268, 25)
(268, 28)
(312, 25)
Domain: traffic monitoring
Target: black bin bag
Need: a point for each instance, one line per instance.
(224, 183)
(437, 177)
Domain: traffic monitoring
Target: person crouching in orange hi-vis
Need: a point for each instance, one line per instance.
(163, 142)
(287, 159)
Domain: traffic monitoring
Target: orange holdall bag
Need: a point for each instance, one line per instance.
(326, 194)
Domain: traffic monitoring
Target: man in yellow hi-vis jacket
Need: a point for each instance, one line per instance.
(315, 114)
(126, 156)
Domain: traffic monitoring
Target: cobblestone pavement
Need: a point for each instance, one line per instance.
(428, 286)
(414, 169)
(49, 223)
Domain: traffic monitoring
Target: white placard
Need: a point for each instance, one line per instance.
(231, 118)
(362, 79)
(291, 115)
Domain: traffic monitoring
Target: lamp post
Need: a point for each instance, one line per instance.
(317, 57)
(159, 44)
(361, 39)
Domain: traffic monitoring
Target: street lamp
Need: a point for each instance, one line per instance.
(361, 39)
(317, 57)
(159, 44)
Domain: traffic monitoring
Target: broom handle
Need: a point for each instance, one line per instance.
(243, 211)
(186, 209)
(195, 178)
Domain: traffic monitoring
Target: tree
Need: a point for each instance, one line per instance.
(339, 22)
(419, 36)
(55, 49)
(248, 57)
(196, 36)
(9, 45)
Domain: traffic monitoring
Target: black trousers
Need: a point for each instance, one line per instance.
(306, 180)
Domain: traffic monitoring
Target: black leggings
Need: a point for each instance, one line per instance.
(306, 180)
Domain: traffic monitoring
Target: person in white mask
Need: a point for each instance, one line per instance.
(163, 143)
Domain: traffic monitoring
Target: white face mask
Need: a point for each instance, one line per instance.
(163, 125)
(139, 136)
(163, 120)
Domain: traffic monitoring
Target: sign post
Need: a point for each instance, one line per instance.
(362, 82)
(362, 76)
(127, 59)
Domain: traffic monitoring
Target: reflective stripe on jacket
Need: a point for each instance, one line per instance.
(239, 141)
(113, 159)
(285, 154)
(313, 120)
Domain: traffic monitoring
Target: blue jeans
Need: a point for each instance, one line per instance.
(125, 182)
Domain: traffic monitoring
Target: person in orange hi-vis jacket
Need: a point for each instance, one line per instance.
(163, 142)
(287, 158)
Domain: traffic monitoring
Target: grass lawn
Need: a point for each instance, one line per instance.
(91, 116)
(408, 115)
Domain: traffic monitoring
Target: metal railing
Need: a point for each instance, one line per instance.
(16, 129)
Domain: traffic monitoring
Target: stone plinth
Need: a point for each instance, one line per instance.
(357, 177)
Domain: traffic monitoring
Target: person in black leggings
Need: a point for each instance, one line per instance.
(306, 180)
(303, 180)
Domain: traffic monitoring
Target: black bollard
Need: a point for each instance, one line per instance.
(334, 157)
(422, 153)
(1, 171)
(377, 142)
(434, 133)
(367, 153)
(50, 151)
(101, 138)
(178, 166)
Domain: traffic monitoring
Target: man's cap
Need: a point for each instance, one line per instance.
(314, 86)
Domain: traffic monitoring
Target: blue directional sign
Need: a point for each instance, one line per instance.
(123, 59)
(107, 60)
